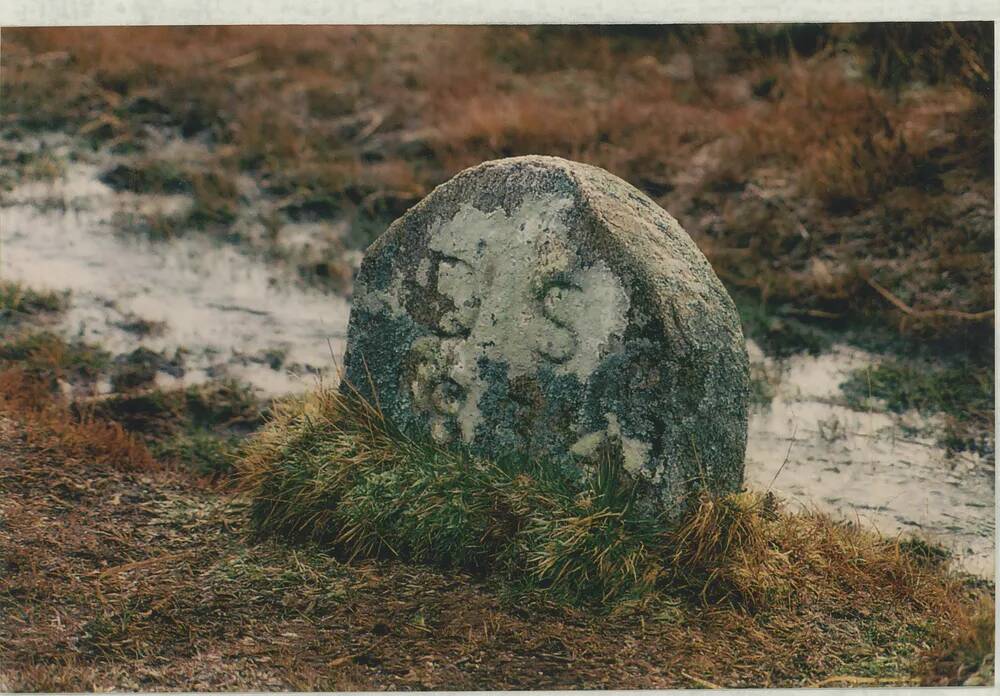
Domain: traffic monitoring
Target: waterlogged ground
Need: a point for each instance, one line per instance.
(249, 316)
(869, 466)
(228, 313)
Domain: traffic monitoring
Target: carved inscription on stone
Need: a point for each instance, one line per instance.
(521, 297)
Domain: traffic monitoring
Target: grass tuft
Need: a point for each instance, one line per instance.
(16, 299)
(960, 391)
(44, 353)
(330, 468)
(200, 427)
(926, 387)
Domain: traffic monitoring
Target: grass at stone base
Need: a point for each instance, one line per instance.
(330, 470)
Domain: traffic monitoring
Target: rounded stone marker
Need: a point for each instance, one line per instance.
(537, 307)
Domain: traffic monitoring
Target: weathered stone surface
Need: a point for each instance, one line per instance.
(544, 308)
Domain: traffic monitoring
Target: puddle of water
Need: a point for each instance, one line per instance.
(861, 466)
(227, 309)
(222, 306)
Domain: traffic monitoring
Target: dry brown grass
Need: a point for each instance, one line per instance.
(801, 160)
(748, 550)
(140, 580)
(51, 424)
(969, 648)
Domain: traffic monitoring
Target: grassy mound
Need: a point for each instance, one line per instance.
(330, 468)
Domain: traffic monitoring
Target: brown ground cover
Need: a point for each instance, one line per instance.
(119, 573)
(837, 172)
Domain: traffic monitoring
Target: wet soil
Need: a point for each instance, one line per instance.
(229, 313)
(882, 470)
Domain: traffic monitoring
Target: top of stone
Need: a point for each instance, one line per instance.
(620, 222)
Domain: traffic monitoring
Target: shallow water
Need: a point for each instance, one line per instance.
(813, 450)
(227, 309)
(224, 307)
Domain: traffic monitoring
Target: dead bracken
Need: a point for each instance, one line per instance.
(800, 166)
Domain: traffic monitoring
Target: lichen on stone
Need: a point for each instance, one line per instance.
(538, 307)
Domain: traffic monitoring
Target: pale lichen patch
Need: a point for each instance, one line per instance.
(521, 297)
(423, 272)
(388, 301)
(635, 452)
